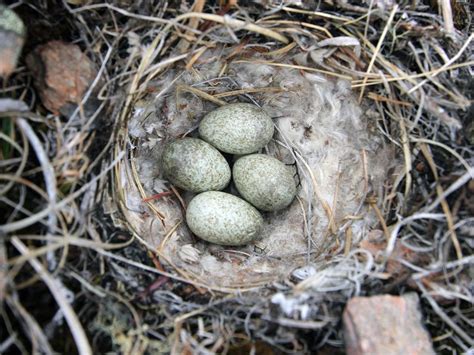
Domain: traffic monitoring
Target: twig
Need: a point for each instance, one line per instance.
(447, 16)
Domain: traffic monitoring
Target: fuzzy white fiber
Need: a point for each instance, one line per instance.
(318, 123)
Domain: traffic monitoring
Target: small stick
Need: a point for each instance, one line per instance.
(198, 6)
(373, 204)
(195, 57)
(348, 241)
(157, 196)
(447, 16)
(444, 203)
(178, 196)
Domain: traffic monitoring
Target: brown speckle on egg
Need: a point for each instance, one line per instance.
(195, 165)
(264, 181)
(224, 219)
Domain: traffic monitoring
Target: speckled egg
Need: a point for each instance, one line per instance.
(264, 181)
(222, 218)
(237, 128)
(195, 165)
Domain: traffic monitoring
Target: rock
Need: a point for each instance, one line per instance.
(385, 325)
(63, 74)
(12, 38)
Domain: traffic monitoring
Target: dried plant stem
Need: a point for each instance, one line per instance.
(447, 15)
(377, 49)
(348, 241)
(24, 158)
(468, 339)
(327, 208)
(198, 7)
(444, 203)
(34, 327)
(299, 67)
(315, 13)
(197, 92)
(14, 226)
(389, 79)
(304, 24)
(459, 182)
(75, 326)
(445, 65)
(234, 23)
(142, 192)
(373, 204)
(47, 169)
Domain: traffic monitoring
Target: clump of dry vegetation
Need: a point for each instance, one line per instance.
(75, 276)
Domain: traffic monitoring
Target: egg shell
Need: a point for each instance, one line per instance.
(264, 181)
(195, 165)
(239, 128)
(224, 219)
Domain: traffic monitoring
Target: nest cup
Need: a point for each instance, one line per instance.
(321, 130)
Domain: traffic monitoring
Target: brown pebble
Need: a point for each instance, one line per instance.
(385, 325)
(63, 73)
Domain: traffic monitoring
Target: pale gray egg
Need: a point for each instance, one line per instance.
(264, 181)
(195, 165)
(237, 128)
(224, 219)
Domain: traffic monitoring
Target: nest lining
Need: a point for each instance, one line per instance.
(321, 129)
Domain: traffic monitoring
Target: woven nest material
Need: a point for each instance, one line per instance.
(371, 104)
(321, 130)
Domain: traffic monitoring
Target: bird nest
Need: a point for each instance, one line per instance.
(371, 113)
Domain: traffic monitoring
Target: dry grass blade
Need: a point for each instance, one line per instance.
(444, 204)
(377, 49)
(33, 327)
(18, 225)
(468, 339)
(446, 65)
(75, 326)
